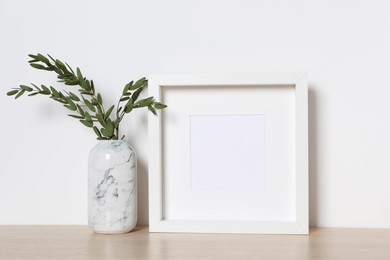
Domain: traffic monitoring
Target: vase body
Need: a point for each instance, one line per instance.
(112, 187)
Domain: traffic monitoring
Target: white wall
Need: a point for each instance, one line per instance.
(344, 45)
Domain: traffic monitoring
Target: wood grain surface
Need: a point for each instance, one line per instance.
(78, 242)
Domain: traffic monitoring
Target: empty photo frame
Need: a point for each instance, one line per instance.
(229, 154)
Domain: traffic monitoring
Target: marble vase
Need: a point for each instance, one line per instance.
(112, 187)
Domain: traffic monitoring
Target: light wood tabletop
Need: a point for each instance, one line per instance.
(78, 242)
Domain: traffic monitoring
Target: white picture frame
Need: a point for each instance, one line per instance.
(183, 95)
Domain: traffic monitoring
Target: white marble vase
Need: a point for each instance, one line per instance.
(112, 187)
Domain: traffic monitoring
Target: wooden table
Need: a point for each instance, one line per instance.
(78, 242)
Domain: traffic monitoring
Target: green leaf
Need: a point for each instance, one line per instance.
(129, 106)
(103, 131)
(74, 97)
(90, 86)
(45, 90)
(99, 110)
(141, 82)
(32, 56)
(61, 66)
(12, 92)
(109, 129)
(87, 117)
(33, 94)
(65, 76)
(89, 105)
(20, 93)
(87, 123)
(79, 75)
(151, 109)
(54, 92)
(76, 116)
(97, 132)
(108, 112)
(37, 66)
(81, 111)
(144, 102)
(99, 98)
(124, 99)
(84, 92)
(94, 101)
(70, 107)
(57, 70)
(72, 83)
(59, 100)
(36, 87)
(70, 68)
(159, 105)
(42, 58)
(127, 87)
(27, 88)
(49, 68)
(136, 94)
(83, 85)
(101, 120)
(51, 58)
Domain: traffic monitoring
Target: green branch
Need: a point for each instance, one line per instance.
(87, 105)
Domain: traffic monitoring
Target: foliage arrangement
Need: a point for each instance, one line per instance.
(87, 103)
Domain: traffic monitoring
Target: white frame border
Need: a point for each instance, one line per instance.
(300, 226)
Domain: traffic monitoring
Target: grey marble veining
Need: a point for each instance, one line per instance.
(112, 187)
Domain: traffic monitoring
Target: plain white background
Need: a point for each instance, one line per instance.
(344, 45)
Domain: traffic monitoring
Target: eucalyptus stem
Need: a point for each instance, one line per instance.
(95, 116)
